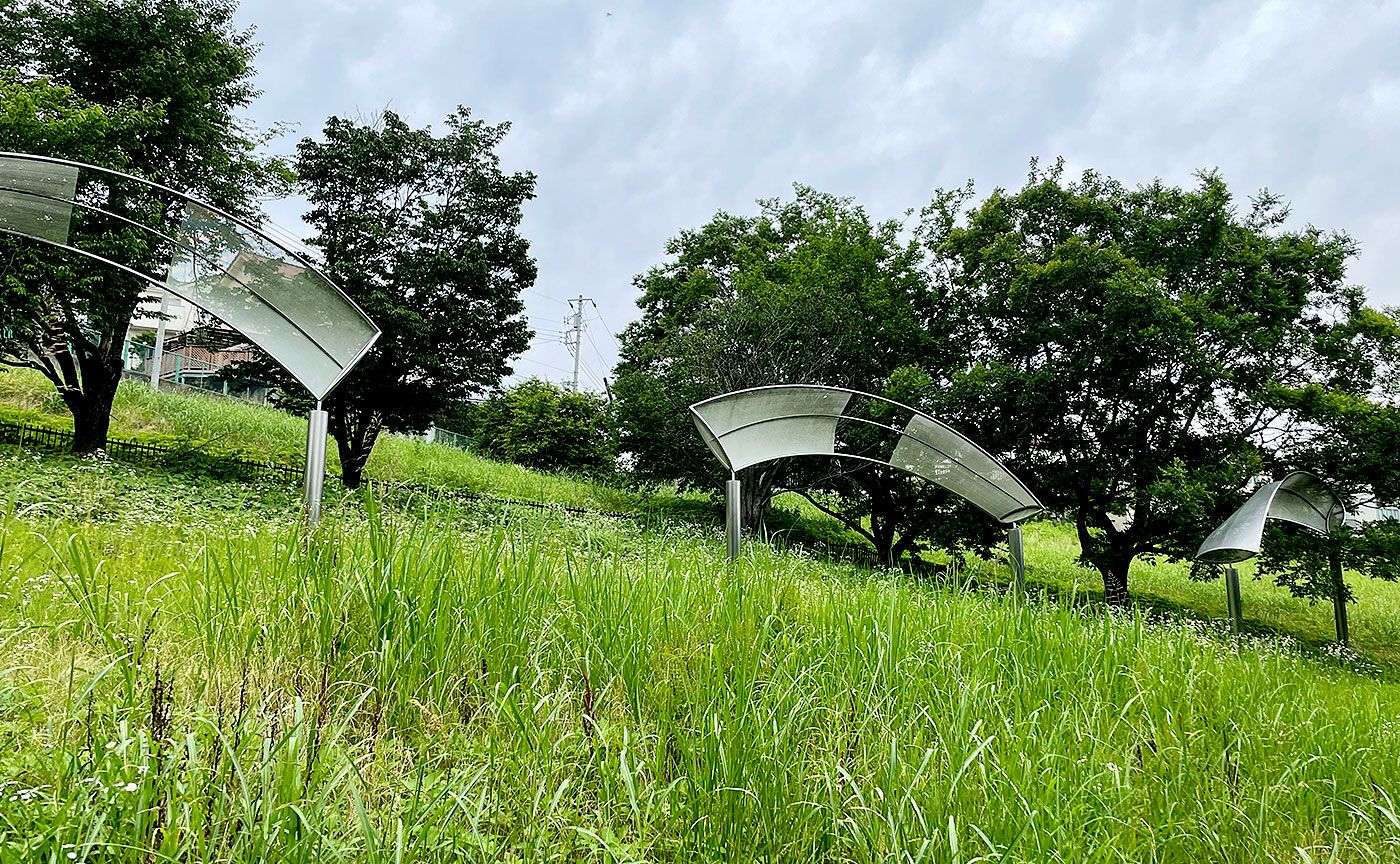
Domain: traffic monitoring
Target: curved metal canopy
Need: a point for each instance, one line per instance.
(748, 427)
(1300, 498)
(256, 284)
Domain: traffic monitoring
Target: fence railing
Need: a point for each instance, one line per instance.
(180, 370)
(47, 438)
(438, 435)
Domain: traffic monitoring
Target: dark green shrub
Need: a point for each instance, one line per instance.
(540, 425)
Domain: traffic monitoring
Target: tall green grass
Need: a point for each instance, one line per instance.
(1374, 615)
(266, 433)
(482, 683)
(1052, 549)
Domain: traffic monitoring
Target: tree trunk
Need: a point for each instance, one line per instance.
(88, 387)
(1115, 583)
(755, 492)
(92, 420)
(352, 471)
(354, 441)
(354, 454)
(1339, 592)
(1107, 557)
(882, 529)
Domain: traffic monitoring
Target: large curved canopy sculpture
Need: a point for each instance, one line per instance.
(1300, 498)
(750, 427)
(260, 286)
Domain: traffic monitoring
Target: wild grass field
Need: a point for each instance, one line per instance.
(187, 675)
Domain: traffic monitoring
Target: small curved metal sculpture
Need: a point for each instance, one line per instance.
(1300, 498)
(760, 424)
(260, 286)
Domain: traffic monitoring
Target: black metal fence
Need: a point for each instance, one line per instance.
(59, 440)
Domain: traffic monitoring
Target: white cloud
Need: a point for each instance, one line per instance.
(646, 121)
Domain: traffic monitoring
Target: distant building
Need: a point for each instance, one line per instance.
(197, 348)
(1364, 509)
(182, 316)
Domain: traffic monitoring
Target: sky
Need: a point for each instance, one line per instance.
(643, 119)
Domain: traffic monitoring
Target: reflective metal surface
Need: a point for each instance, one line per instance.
(748, 427)
(261, 287)
(732, 507)
(315, 477)
(36, 198)
(1300, 498)
(1016, 555)
(1233, 604)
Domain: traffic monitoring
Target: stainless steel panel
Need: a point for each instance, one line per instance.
(749, 427)
(1300, 498)
(255, 284)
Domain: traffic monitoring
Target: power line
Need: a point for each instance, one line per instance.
(597, 353)
(546, 296)
(606, 328)
(593, 376)
(545, 365)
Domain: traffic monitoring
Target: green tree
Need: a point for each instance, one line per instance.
(1350, 441)
(807, 291)
(145, 86)
(540, 425)
(1120, 342)
(423, 232)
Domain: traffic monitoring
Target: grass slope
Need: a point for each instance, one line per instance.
(441, 681)
(1052, 550)
(186, 676)
(265, 433)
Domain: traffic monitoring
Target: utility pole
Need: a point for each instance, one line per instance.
(158, 354)
(573, 337)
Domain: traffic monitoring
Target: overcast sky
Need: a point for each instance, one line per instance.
(641, 119)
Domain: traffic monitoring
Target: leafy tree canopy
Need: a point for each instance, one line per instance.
(423, 232)
(1121, 343)
(1349, 440)
(808, 291)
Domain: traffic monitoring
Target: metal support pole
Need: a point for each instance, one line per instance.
(1232, 599)
(315, 462)
(158, 356)
(732, 516)
(1339, 596)
(1016, 552)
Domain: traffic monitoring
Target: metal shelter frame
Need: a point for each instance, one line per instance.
(1300, 498)
(748, 427)
(261, 286)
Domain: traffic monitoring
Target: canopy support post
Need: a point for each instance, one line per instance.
(1016, 552)
(316, 426)
(1339, 591)
(732, 515)
(1233, 602)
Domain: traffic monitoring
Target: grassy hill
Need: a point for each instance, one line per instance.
(429, 679)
